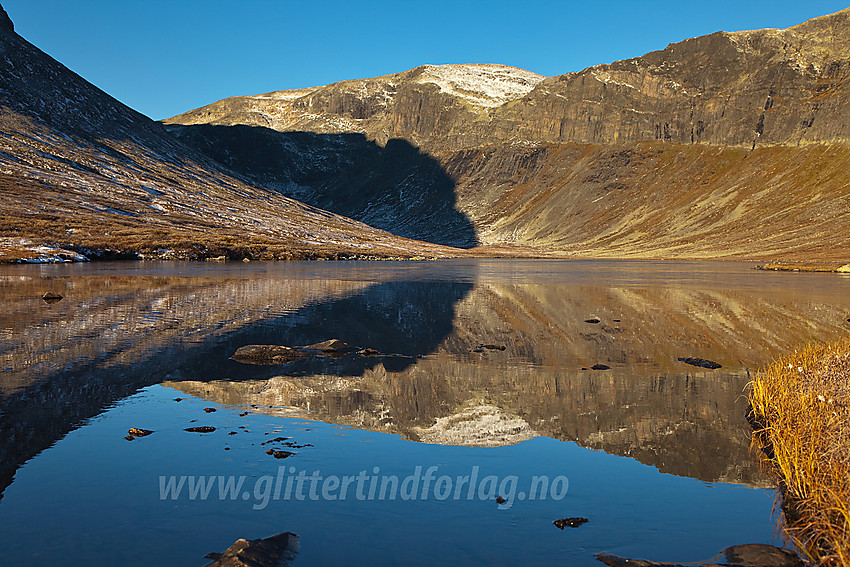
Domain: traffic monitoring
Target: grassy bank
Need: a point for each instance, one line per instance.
(801, 267)
(801, 412)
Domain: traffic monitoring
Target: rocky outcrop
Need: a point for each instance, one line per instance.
(429, 105)
(275, 551)
(736, 89)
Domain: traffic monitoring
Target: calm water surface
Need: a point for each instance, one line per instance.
(654, 452)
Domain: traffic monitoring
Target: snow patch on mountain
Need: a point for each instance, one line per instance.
(487, 85)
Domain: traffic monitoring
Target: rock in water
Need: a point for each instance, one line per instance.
(50, 298)
(267, 354)
(331, 346)
(275, 551)
(279, 454)
(201, 429)
(701, 362)
(761, 555)
(138, 432)
(750, 555)
(570, 522)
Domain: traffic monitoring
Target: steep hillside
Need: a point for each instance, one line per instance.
(727, 145)
(80, 169)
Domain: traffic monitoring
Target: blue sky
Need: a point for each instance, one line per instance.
(165, 57)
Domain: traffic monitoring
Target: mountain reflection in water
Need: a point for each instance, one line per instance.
(118, 330)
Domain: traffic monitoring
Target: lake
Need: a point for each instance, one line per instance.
(480, 383)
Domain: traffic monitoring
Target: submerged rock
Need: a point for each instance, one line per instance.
(280, 354)
(138, 432)
(201, 429)
(275, 551)
(331, 346)
(749, 555)
(50, 298)
(701, 362)
(267, 354)
(209, 410)
(760, 554)
(569, 522)
(279, 454)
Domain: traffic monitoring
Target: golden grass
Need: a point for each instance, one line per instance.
(801, 412)
(799, 267)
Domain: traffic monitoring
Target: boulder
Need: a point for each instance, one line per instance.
(275, 551)
(569, 522)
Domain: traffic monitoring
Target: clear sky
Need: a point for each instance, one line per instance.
(166, 57)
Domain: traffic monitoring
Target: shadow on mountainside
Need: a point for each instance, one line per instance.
(396, 187)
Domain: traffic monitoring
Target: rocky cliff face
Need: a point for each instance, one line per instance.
(731, 144)
(432, 104)
(736, 89)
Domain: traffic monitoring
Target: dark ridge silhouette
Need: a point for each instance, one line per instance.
(395, 187)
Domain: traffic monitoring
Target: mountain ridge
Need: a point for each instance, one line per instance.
(682, 152)
(730, 145)
(682, 72)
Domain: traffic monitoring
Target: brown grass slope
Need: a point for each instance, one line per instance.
(655, 199)
(80, 169)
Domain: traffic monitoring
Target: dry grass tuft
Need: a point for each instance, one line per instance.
(801, 412)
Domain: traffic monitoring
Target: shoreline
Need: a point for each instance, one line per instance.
(800, 414)
(16, 250)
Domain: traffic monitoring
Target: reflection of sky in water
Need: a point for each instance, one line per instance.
(126, 327)
(104, 506)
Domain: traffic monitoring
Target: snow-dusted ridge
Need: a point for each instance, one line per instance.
(482, 84)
